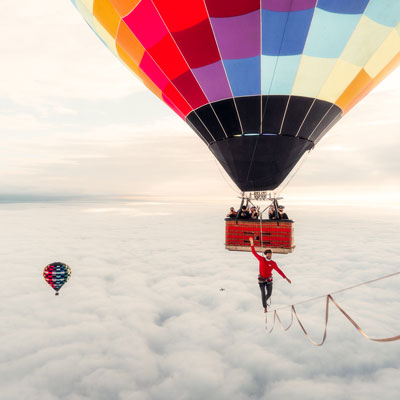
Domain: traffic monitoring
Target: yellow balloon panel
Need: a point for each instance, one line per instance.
(349, 103)
(358, 84)
(341, 76)
(124, 7)
(86, 10)
(311, 75)
(105, 13)
(86, 3)
(386, 52)
(364, 42)
(105, 36)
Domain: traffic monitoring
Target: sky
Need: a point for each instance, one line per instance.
(98, 173)
(75, 122)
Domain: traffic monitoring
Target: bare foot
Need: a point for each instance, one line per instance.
(265, 309)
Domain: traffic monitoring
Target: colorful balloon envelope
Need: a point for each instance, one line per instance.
(260, 81)
(56, 275)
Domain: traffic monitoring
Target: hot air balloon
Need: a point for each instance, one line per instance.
(259, 81)
(56, 275)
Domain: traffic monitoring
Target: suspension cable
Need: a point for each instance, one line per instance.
(227, 182)
(341, 290)
(295, 172)
(329, 298)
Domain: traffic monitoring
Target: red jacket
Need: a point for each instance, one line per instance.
(266, 266)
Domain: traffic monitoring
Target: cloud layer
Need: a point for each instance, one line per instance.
(142, 316)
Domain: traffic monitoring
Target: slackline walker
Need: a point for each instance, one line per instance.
(329, 298)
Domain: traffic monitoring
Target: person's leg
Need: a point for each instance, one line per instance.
(263, 299)
(269, 291)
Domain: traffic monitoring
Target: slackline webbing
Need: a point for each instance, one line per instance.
(329, 298)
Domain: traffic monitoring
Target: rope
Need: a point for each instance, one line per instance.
(266, 103)
(252, 159)
(295, 172)
(391, 339)
(227, 182)
(341, 290)
(328, 299)
(276, 316)
(275, 67)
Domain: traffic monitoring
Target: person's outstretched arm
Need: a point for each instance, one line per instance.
(280, 272)
(253, 250)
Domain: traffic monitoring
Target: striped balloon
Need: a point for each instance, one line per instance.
(56, 275)
(260, 81)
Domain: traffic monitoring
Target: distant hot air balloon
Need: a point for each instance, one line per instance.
(260, 81)
(56, 275)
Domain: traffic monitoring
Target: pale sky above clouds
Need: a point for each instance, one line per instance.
(75, 121)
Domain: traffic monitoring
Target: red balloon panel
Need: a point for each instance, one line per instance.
(231, 8)
(145, 22)
(197, 45)
(172, 93)
(191, 91)
(181, 14)
(169, 58)
(152, 70)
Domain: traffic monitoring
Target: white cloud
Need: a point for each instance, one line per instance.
(21, 122)
(143, 317)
